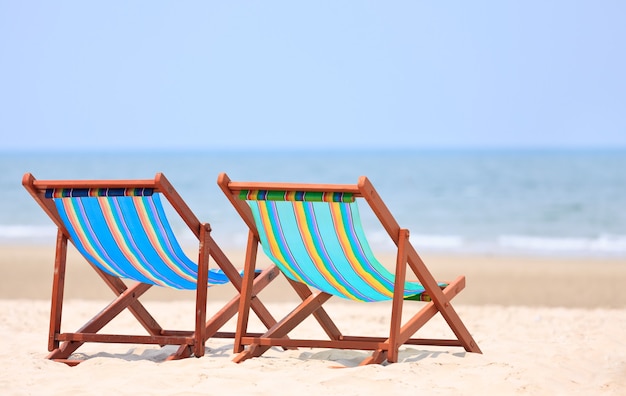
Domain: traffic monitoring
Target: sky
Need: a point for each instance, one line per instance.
(202, 75)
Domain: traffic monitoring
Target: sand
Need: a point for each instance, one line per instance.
(546, 326)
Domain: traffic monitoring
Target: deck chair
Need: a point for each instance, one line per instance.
(121, 229)
(313, 233)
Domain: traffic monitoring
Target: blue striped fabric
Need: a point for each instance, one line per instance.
(323, 245)
(130, 237)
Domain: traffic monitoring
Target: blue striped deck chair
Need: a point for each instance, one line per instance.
(313, 233)
(120, 227)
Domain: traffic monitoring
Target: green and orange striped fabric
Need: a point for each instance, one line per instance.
(312, 196)
(125, 232)
(321, 243)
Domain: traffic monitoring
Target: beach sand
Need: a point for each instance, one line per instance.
(546, 326)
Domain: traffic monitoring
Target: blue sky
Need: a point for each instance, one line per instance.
(311, 74)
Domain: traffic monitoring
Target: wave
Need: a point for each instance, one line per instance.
(601, 245)
(27, 233)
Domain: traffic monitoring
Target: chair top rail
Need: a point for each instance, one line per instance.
(235, 187)
(45, 184)
(160, 184)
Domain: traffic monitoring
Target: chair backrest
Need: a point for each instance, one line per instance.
(125, 232)
(121, 227)
(317, 238)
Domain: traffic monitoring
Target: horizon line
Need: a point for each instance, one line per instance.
(300, 149)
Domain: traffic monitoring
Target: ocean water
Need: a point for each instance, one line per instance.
(481, 201)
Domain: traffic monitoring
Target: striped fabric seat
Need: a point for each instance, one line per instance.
(320, 242)
(125, 232)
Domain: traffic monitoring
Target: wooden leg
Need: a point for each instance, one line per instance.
(441, 301)
(201, 291)
(58, 285)
(398, 296)
(246, 291)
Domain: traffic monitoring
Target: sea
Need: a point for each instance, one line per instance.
(531, 202)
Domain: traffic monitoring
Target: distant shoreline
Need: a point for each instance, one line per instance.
(47, 242)
(320, 150)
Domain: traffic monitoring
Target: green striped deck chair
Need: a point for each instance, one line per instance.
(120, 227)
(313, 233)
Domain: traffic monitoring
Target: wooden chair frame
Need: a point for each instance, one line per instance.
(384, 348)
(61, 345)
